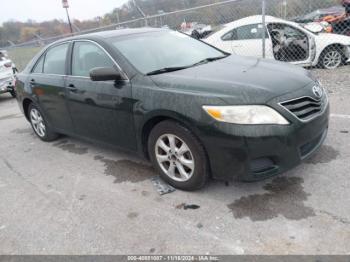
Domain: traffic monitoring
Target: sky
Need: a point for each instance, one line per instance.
(41, 10)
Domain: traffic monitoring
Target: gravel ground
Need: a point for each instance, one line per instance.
(73, 197)
(336, 81)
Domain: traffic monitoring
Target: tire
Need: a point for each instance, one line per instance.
(187, 156)
(13, 94)
(40, 125)
(328, 54)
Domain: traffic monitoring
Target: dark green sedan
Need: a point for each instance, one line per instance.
(193, 110)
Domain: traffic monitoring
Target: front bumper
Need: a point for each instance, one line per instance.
(251, 153)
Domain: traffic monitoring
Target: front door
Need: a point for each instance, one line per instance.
(292, 44)
(100, 110)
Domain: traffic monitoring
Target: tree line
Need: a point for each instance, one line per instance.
(15, 32)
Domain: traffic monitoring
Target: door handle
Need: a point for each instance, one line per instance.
(72, 88)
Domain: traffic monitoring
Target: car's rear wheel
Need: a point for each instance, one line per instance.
(39, 124)
(178, 156)
(332, 58)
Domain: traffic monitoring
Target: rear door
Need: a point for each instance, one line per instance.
(100, 110)
(247, 41)
(47, 81)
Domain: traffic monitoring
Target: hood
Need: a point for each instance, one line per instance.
(333, 38)
(238, 79)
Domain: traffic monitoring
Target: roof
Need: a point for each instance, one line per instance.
(115, 33)
(256, 19)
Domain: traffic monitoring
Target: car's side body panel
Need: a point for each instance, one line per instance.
(102, 111)
(50, 94)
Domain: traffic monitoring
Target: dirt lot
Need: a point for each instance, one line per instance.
(73, 197)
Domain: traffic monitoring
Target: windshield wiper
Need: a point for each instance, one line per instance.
(166, 70)
(176, 68)
(209, 59)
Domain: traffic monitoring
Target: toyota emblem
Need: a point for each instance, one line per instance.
(318, 92)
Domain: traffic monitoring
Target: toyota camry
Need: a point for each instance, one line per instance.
(194, 111)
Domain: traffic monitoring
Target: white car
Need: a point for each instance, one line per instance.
(285, 41)
(7, 75)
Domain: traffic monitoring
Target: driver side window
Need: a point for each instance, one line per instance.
(87, 56)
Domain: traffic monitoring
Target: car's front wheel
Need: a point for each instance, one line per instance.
(178, 156)
(39, 124)
(332, 58)
(13, 94)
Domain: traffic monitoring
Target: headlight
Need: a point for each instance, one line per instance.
(246, 115)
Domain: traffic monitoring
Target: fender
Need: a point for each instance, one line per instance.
(144, 124)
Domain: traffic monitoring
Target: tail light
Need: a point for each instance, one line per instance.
(8, 64)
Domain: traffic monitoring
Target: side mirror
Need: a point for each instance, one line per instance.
(105, 74)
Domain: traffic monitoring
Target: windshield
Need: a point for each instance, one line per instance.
(166, 49)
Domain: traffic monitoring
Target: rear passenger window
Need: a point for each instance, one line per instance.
(39, 65)
(249, 32)
(55, 60)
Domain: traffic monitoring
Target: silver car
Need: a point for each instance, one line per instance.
(7, 75)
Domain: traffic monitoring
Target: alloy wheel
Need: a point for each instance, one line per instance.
(37, 122)
(174, 157)
(332, 59)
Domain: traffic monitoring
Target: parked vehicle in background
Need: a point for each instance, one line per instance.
(336, 19)
(196, 112)
(285, 41)
(341, 23)
(319, 14)
(7, 74)
(197, 31)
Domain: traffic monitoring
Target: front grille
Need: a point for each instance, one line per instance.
(305, 108)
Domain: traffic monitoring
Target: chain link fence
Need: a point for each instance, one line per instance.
(305, 32)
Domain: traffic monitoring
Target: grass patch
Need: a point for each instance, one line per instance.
(21, 56)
